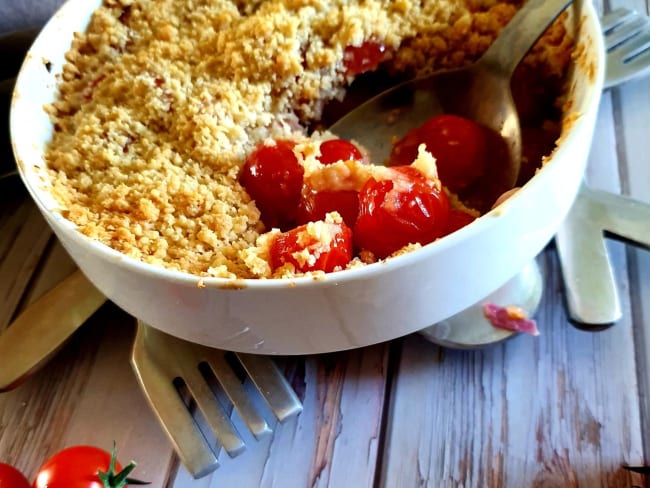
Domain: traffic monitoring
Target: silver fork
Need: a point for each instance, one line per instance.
(627, 41)
(175, 375)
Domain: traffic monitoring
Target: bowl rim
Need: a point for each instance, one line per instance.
(485, 221)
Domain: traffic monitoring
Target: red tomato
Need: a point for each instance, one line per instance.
(338, 150)
(406, 209)
(360, 59)
(272, 177)
(307, 253)
(82, 467)
(458, 144)
(457, 220)
(10, 477)
(315, 205)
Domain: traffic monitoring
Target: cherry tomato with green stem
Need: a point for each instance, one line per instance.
(84, 467)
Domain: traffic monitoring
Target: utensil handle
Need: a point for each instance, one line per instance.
(589, 281)
(44, 326)
(521, 33)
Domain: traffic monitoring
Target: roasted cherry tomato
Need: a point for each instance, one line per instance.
(315, 205)
(458, 144)
(83, 467)
(406, 209)
(457, 220)
(338, 150)
(273, 177)
(364, 58)
(331, 249)
(10, 477)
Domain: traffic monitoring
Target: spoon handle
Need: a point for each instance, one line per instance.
(521, 33)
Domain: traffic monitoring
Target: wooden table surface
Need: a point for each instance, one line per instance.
(564, 409)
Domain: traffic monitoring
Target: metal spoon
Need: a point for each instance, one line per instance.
(480, 92)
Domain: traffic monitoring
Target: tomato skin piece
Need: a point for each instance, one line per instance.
(315, 205)
(337, 253)
(338, 150)
(273, 178)
(404, 210)
(10, 477)
(364, 58)
(458, 144)
(458, 219)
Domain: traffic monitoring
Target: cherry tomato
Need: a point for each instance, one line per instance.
(273, 177)
(364, 58)
(458, 219)
(315, 205)
(10, 477)
(83, 467)
(338, 150)
(406, 209)
(308, 253)
(458, 144)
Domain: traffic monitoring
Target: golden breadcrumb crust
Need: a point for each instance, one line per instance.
(161, 101)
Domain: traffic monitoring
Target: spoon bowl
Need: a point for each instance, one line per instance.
(480, 92)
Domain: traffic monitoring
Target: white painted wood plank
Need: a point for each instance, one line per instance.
(634, 134)
(559, 410)
(112, 408)
(333, 443)
(87, 394)
(547, 411)
(23, 237)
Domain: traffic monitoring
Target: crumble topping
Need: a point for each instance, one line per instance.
(161, 101)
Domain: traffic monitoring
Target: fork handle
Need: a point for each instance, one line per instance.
(521, 33)
(589, 281)
(44, 326)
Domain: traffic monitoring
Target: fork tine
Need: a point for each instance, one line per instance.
(635, 46)
(624, 32)
(182, 431)
(215, 415)
(235, 391)
(640, 64)
(160, 360)
(272, 385)
(188, 357)
(616, 17)
(627, 40)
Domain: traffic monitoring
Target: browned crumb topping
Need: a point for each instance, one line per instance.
(161, 101)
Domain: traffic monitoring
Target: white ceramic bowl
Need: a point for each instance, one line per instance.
(346, 309)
